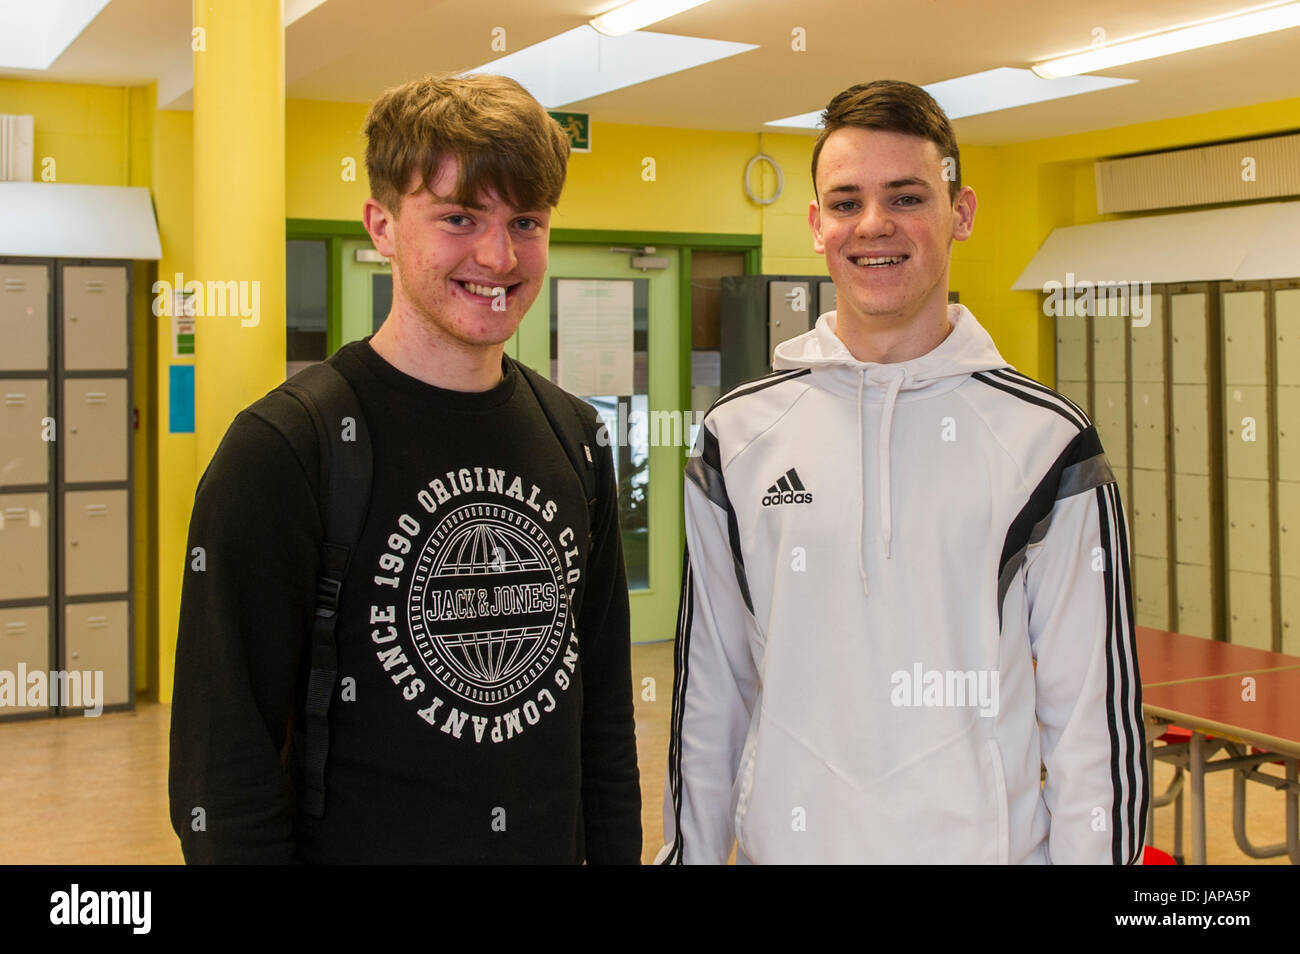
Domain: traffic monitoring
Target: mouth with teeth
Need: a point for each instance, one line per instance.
(486, 292)
(884, 261)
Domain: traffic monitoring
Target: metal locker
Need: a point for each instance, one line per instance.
(1150, 442)
(1150, 514)
(789, 312)
(1109, 340)
(24, 546)
(1110, 414)
(94, 318)
(1192, 508)
(825, 298)
(1076, 391)
(1288, 525)
(1245, 342)
(1246, 445)
(96, 640)
(1072, 349)
(1188, 337)
(95, 542)
(1151, 594)
(24, 317)
(1195, 600)
(1286, 329)
(1250, 609)
(1191, 436)
(1288, 433)
(24, 450)
(95, 442)
(1249, 521)
(25, 639)
(1147, 343)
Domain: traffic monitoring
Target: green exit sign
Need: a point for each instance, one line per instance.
(578, 128)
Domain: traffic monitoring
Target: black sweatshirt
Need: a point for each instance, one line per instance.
(473, 722)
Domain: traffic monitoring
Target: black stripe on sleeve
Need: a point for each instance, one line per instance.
(1024, 394)
(681, 655)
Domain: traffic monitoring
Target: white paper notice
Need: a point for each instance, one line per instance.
(594, 336)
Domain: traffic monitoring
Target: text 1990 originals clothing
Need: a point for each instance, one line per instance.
(475, 719)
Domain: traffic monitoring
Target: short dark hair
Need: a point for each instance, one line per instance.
(505, 141)
(891, 106)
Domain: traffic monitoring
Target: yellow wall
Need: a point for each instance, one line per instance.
(115, 136)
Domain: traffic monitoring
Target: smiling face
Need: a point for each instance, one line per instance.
(466, 275)
(886, 224)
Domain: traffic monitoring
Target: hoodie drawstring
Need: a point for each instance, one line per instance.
(883, 450)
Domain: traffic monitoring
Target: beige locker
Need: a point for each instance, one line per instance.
(1291, 617)
(1072, 350)
(1147, 343)
(25, 639)
(1191, 436)
(1288, 432)
(24, 451)
(1288, 519)
(1245, 341)
(1151, 592)
(1249, 522)
(96, 640)
(1110, 415)
(95, 542)
(1250, 609)
(94, 318)
(1149, 436)
(1193, 520)
(1195, 600)
(789, 310)
(95, 440)
(1076, 391)
(24, 318)
(1109, 340)
(1286, 327)
(1150, 509)
(1188, 338)
(24, 546)
(1246, 444)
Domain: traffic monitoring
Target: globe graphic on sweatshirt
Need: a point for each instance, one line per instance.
(487, 608)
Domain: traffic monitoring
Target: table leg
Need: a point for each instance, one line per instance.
(1197, 771)
(1292, 810)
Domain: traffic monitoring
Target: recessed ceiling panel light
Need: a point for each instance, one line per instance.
(34, 34)
(640, 13)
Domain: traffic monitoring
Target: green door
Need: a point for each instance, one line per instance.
(648, 427)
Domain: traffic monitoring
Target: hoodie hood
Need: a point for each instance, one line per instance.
(967, 349)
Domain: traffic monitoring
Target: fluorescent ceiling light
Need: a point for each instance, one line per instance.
(1203, 33)
(34, 35)
(640, 13)
(581, 63)
(988, 92)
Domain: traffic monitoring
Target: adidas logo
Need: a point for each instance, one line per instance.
(789, 489)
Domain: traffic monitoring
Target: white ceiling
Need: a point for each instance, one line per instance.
(350, 50)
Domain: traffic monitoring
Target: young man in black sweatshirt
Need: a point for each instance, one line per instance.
(482, 710)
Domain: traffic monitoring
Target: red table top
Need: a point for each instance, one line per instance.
(1215, 706)
(1172, 657)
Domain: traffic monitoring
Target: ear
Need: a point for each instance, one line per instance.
(963, 214)
(815, 223)
(379, 223)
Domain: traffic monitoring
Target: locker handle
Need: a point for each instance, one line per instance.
(16, 628)
(15, 513)
(96, 397)
(96, 510)
(94, 285)
(14, 284)
(15, 399)
(97, 622)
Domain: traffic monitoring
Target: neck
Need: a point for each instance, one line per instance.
(884, 339)
(415, 348)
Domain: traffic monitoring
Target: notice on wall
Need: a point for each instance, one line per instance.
(594, 339)
(182, 324)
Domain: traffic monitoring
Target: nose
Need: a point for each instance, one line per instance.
(874, 220)
(495, 250)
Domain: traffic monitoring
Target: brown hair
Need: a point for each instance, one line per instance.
(892, 106)
(505, 141)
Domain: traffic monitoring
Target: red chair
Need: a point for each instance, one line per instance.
(1154, 856)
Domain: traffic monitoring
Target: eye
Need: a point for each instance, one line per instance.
(840, 206)
(465, 219)
(917, 199)
(536, 225)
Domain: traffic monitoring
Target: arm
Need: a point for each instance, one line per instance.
(716, 682)
(611, 784)
(1089, 697)
(244, 624)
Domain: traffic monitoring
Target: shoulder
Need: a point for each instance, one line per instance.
(553, 396)
(749, 409)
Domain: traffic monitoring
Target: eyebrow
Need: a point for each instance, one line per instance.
(892, 184)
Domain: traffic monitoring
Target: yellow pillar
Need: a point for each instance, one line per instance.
(238, 210)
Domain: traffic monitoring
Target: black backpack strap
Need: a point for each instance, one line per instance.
(346, 467)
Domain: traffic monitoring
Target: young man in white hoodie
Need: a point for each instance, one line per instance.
(884, 538)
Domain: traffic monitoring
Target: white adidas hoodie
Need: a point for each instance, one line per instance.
(876, 556)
